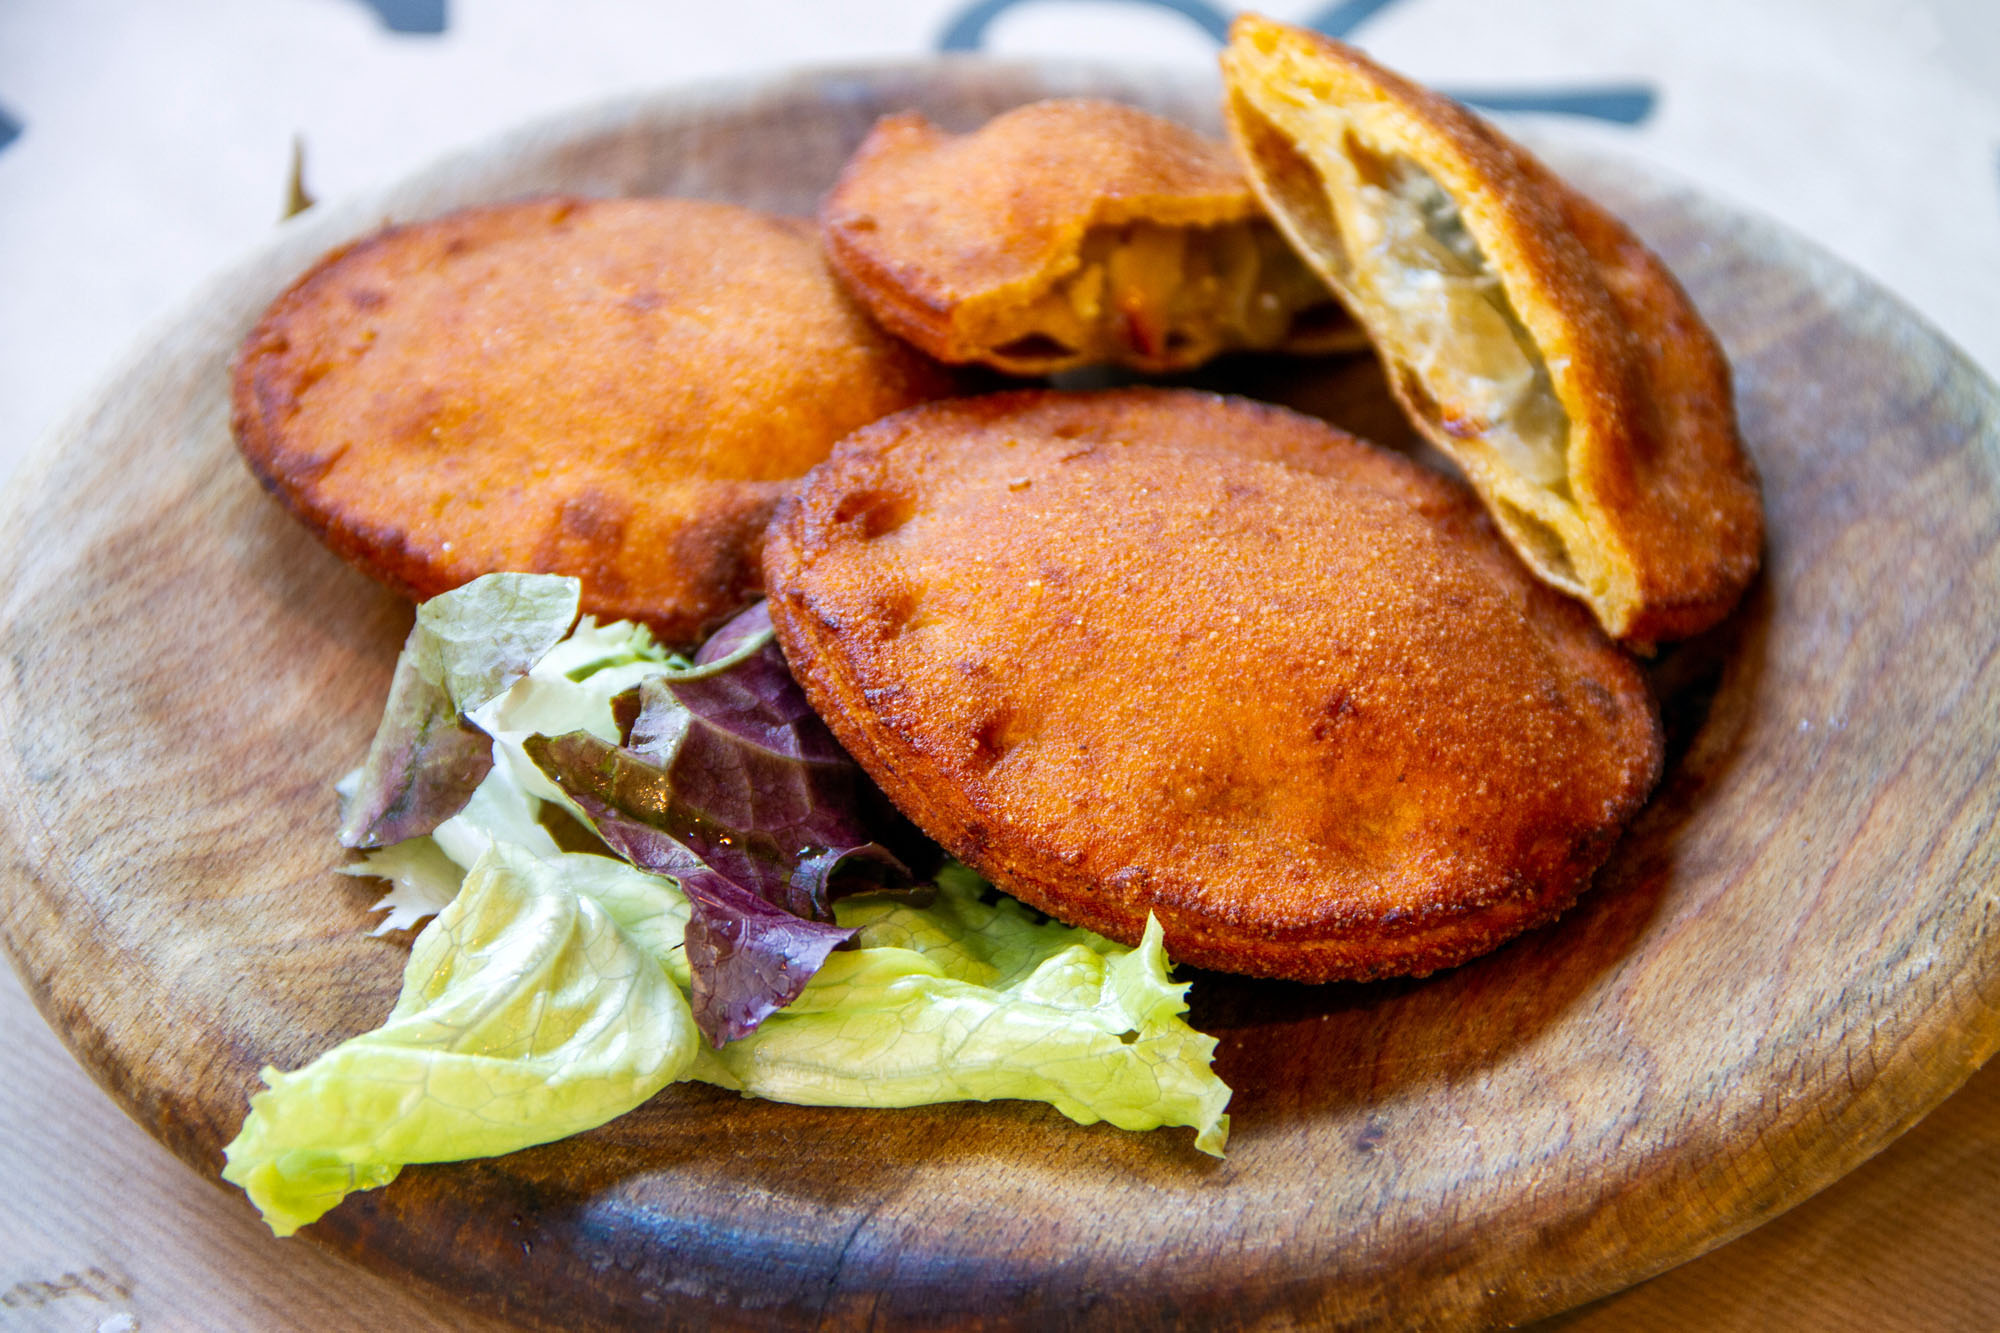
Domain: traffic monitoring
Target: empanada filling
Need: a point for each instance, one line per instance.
(1150, 294)
(1456, 331)
(1394, 244)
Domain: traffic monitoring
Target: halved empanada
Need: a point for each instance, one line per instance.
(1526, 332)
(1070, 233)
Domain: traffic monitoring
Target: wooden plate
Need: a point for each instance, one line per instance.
(1787, 962)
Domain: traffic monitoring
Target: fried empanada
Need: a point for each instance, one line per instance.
(1526, 331)
(1070, 233)
(1160, 651)
(618, 389)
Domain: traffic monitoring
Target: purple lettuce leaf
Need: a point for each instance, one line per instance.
(731, 784)
(747, 958)
(466, 648)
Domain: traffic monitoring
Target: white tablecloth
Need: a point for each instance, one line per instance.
(154, 138)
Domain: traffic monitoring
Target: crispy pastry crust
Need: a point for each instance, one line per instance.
(949, 238)
(1660, 526)
(615, 389)
(1160, 651)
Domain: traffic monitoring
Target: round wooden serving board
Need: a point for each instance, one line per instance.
(1789, 959)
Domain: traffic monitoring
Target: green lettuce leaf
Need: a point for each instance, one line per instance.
(548, 998)
(570, 687)
(533, 1007)
(549, 994)
(422, 881)
(468, 646)
(972, 1000)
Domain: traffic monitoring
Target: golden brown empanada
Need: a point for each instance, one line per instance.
(1159, 651)
(1069, 233)
(1526, 332)
(617, 389)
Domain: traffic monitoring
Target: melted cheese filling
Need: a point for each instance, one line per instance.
(1149, 293)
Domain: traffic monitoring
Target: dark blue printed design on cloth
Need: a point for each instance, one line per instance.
(1622, 104)
(410, 16)
(10, 128)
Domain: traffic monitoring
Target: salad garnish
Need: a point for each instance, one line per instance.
(551, 990)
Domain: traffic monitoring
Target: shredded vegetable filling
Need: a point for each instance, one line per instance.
(1414, 258)
(1152, 291)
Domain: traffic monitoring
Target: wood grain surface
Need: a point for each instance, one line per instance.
(1786, 963)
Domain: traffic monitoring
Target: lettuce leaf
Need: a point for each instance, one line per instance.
(799, 821)
(547, 999)
(423, 881)
(731, 784)
(534, 1007)
(570, 688)
(968, 999)
(467, 647)
(749, 956)
(749, 959)
(549, 994)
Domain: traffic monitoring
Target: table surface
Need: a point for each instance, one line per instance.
(144, 146)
